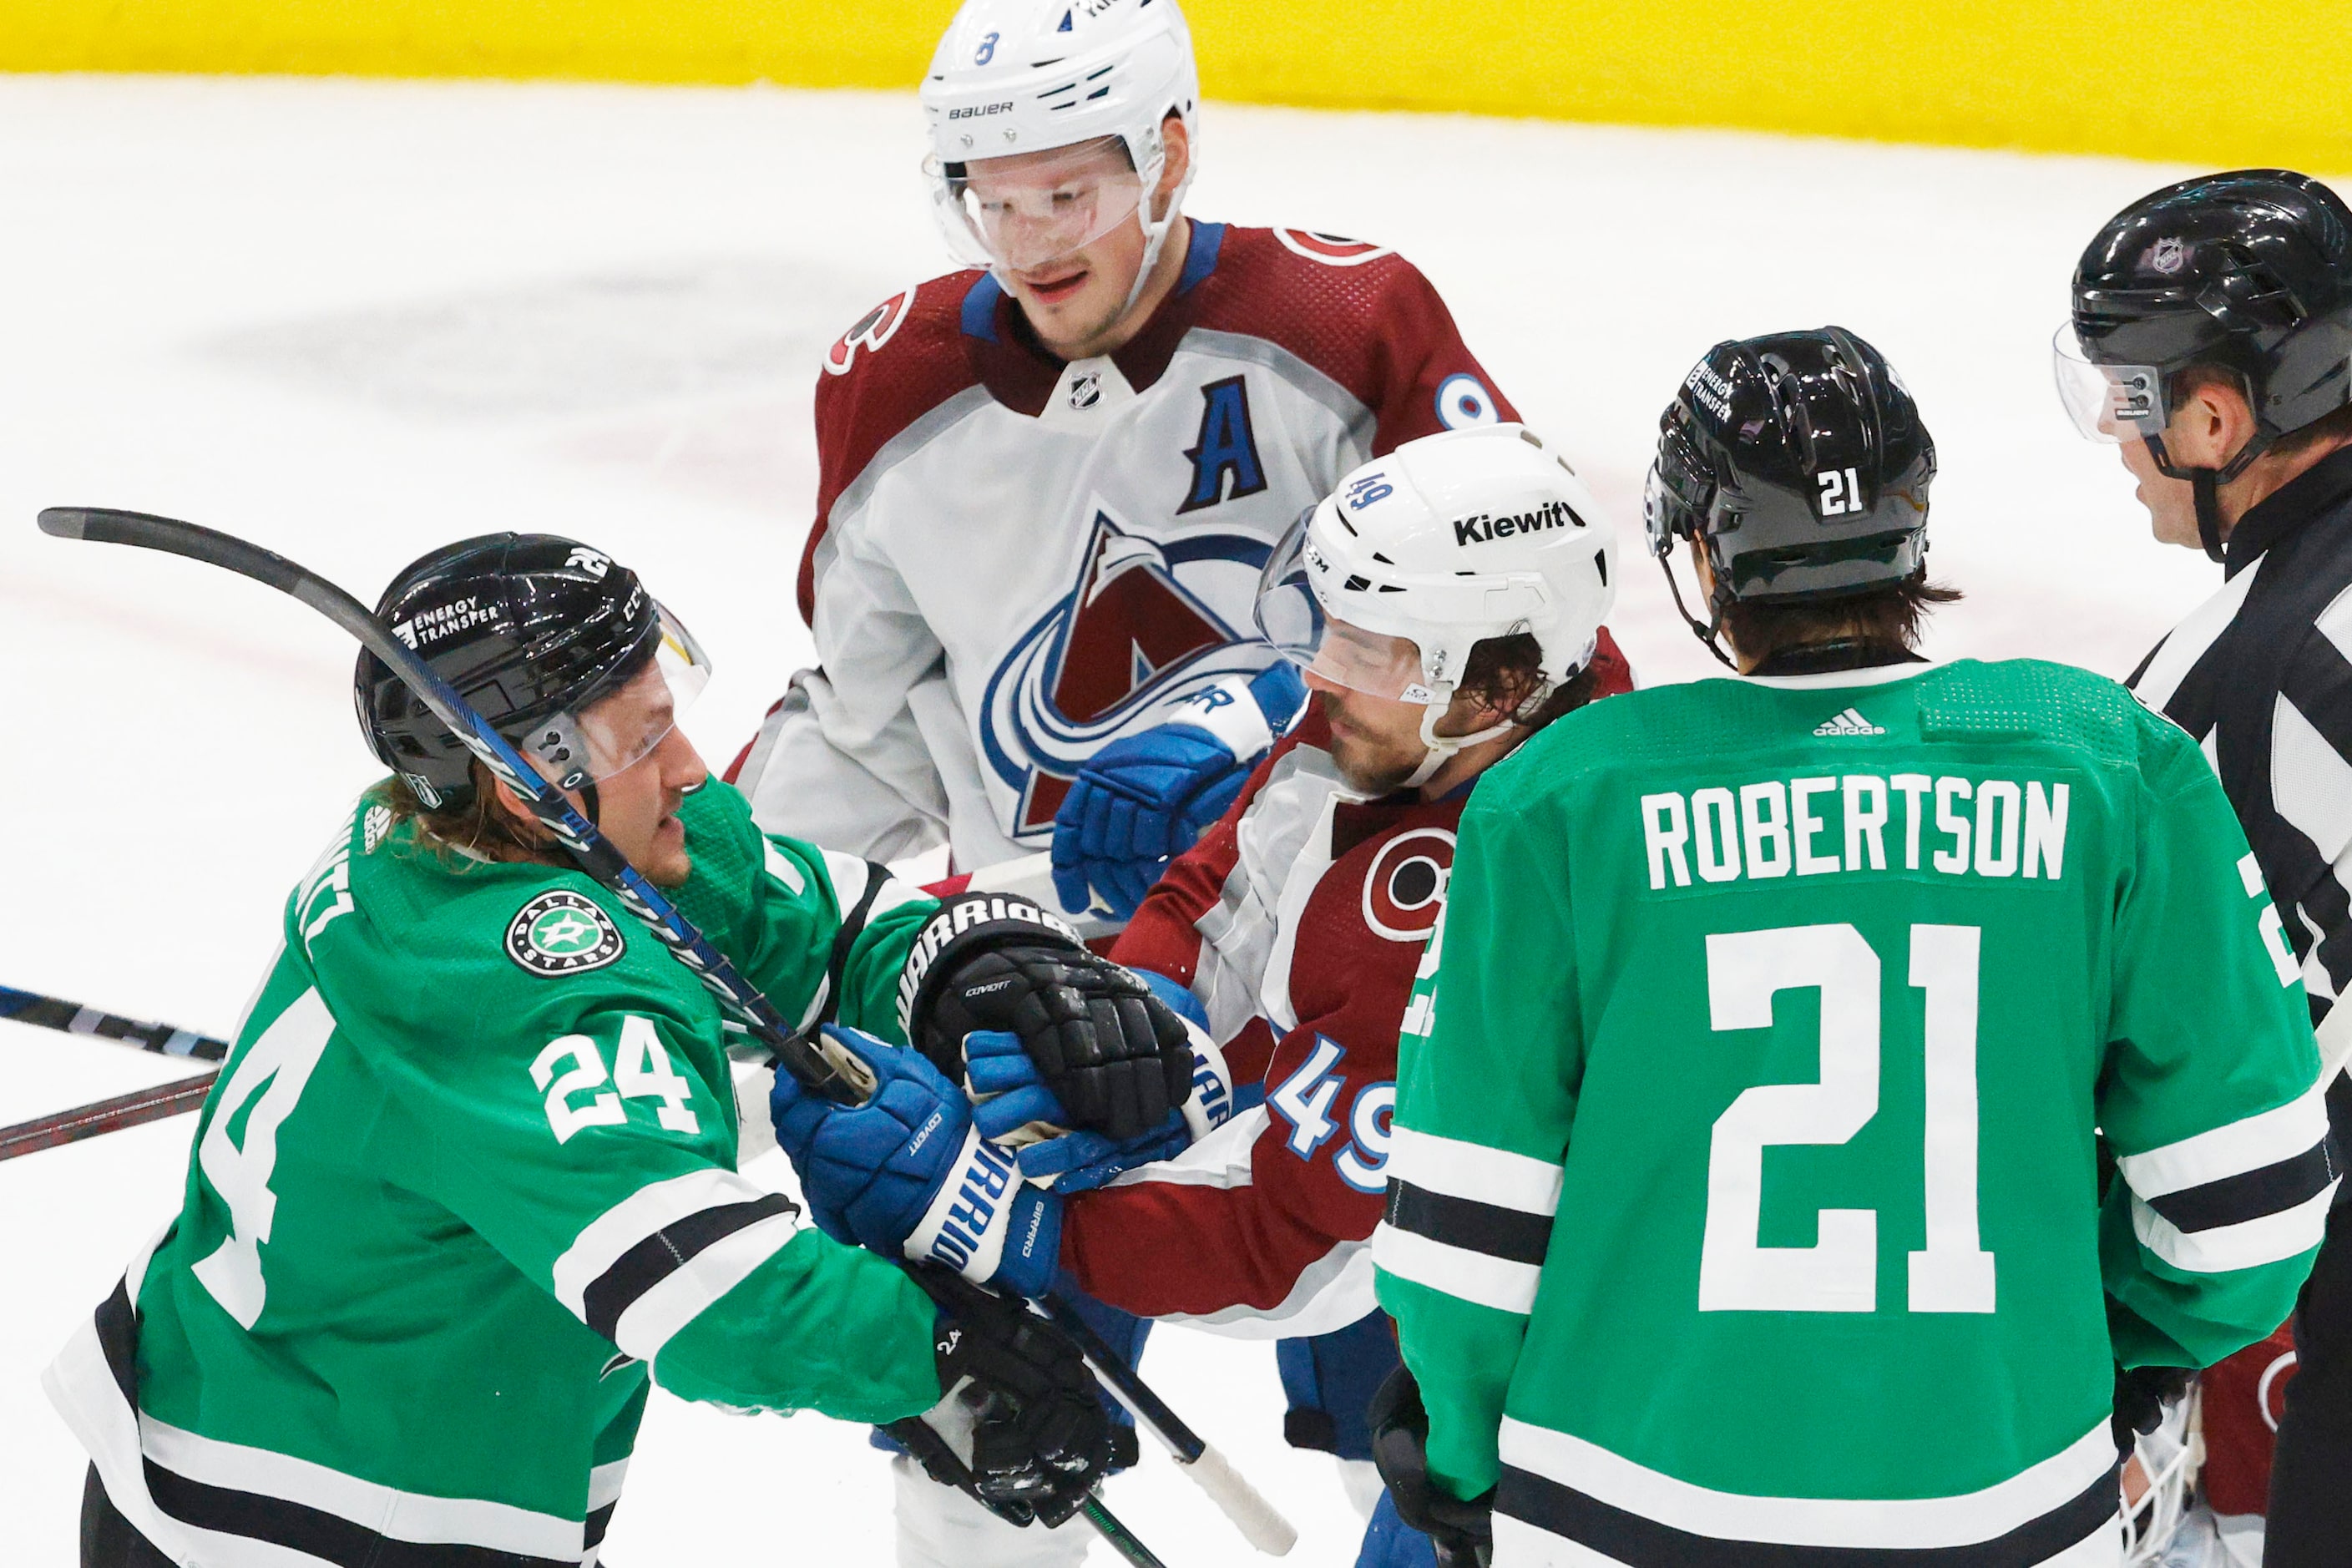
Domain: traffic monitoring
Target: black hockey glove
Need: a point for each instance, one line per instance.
(1462, 1532)
(2141, 1394)
(1020, 1429)
(1113, 1052)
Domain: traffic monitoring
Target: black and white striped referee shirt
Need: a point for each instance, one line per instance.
(2261, 675)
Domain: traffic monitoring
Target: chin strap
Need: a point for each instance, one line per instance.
(1705, 631)
(1439, 747)
(2206, 483)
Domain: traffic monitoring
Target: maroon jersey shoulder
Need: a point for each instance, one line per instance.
(1358, 312)
(896, 363)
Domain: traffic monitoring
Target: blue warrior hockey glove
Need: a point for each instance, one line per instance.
(1011, 1104)
(906, 1173)
(1143, 799)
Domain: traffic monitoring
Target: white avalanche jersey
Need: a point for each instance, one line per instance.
(1017, 560)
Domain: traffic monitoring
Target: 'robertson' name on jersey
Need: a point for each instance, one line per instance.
(467, 1176)
(1743, 1196)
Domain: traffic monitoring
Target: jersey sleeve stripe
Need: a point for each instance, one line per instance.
(2272, 1239)
(1474, 1277)
(1568, 1487)
(236, 1489)
(684, 1292)
(647, 1212)
(1472, 1171)
(2311, 784)
(2247, 1145)
(1512, 1235)
(663, 1252)
(2250, 1194)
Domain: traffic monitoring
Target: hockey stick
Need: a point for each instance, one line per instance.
(54, 1013)
(1260, 1524)
(824, 1068)
(105, 1116)
(820, 1067)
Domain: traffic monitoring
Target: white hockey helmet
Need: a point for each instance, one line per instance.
(2158, 1478)
(1386, 584)
(1032, 76)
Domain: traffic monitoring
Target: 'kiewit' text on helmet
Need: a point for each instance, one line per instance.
(1386, 584)
(1800, 463)
(1015, 77)
(2248, 273)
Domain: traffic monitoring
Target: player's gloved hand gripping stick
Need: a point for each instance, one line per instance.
(817, 1064)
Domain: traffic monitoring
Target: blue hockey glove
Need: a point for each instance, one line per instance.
(908, 1175)
(1142, 800)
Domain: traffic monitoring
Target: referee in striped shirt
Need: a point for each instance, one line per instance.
(2211, 339)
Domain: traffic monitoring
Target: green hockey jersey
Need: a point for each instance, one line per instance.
(1744, 1192)
(466, 1182)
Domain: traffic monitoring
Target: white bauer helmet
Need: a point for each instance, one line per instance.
(2163, 1474)
(1386, 584)
(1030, 76)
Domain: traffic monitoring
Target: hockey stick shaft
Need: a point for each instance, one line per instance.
(73, 1018)
(1259, 1521)
(105, 1116)
(821, 1068)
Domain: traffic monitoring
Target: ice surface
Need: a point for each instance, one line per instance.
(355, 321)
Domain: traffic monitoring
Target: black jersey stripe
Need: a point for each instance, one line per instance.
(2250, 1194)
(117, 1340)
(592, 1534)
(1512, 1235)
(330, 1537)
(852, 926)
(1630, 1539)
(665, 1252)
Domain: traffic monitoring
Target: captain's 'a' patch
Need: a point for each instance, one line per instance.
(563, 932)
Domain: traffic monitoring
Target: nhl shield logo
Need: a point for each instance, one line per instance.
(563, 932)
(1086, 390)
(2167, 255)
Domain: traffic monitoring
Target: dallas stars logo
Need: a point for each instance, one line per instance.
(563, 932)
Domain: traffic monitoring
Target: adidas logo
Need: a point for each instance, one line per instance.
(1848, 724)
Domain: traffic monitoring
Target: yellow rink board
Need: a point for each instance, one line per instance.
(2251, 81)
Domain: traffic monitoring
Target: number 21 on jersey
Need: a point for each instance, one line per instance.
(1840, 1272)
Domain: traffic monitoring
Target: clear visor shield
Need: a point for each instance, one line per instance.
(2106, 402)
(1295, 625)
(1033, 209)
(622, 728)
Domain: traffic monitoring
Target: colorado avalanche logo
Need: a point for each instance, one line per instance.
(1133, 638)
(872, 330)
(1405, 888)
(1330, 250)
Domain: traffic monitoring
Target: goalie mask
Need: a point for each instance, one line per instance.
(533, 631)
(1386, 586)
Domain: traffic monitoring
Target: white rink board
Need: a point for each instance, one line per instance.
(356, 320)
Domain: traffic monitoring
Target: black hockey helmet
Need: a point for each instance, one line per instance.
(2248, 273)
(532, 630)
(1799, 460)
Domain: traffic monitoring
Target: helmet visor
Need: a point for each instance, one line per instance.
(1295, 624)
(1033, 209)
(622, 728)
(2106, 402)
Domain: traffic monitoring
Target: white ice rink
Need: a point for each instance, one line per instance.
(355, 321)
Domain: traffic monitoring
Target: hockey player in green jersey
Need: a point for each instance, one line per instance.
(466, 1187)
(1744, 1206)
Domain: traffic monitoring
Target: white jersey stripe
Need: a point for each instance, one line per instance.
(2188, 642)
(1518, 1544)
(2247, 1145)
(1881, 1524)
(652, 1208)
(1476, 1277)
(412, 1517)
(1330, 1293)
(1474, 1171)
(2311, 784)
(2272, 1239)
(687, 1290)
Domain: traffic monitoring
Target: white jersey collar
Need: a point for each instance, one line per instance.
(1835, 680)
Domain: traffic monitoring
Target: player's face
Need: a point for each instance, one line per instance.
(1376, 741)
(1067, 230)
(636, 808)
